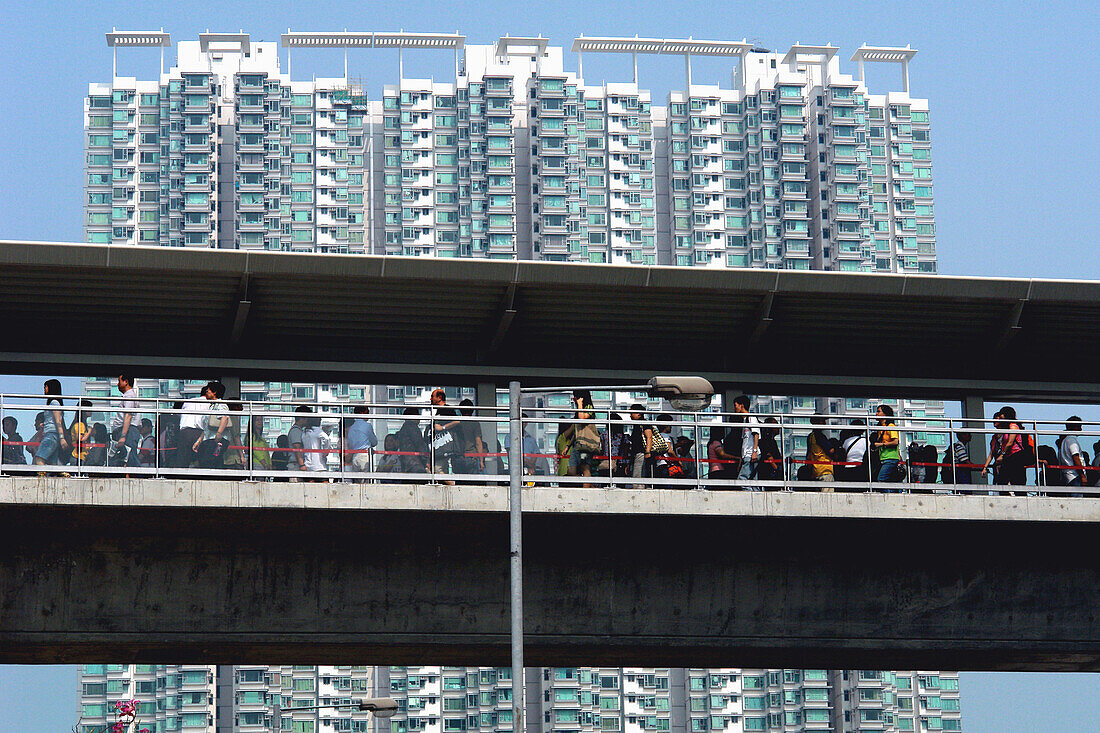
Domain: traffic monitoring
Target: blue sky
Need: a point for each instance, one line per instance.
(1012, 88)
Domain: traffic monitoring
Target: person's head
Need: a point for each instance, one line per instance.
(884, 412)
(767, 432)
(1008, 413)
(282, 441)
(963, 437)
(146, 426)
(683, 445)
(664, 417)
(582, 397)
(466, 407)
(177, 405)
(301, 415)
(411, 411)
(52, 389)
(717, 432)
(360, 410)
(39, 420)
(817, 419)
(1073, 423)
(256, 427)
(99, 433)
(390, 443)
(637, 412)
(998, 419)
(741, 403)
(125, 381)
(439, 397)
(10, 424)
(616, 423)
(213, 390)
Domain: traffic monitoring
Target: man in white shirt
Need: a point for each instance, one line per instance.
(124, 421)
(1069, 453)
(192, 426)
(750, 440)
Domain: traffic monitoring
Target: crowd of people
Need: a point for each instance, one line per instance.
(207, 434)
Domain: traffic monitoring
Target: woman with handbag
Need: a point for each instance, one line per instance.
(588, 442)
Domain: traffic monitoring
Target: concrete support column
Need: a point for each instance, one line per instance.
(728, 396)
(232, 387)
(973, 408)
(487, 397)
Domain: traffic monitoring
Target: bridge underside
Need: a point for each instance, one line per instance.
(221, 572)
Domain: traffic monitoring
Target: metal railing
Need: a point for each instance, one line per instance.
(434, 446)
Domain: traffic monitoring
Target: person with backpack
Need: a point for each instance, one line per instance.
(410, 443)
(853, 449)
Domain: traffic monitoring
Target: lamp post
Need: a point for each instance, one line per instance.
(379, 707)
(684, 393)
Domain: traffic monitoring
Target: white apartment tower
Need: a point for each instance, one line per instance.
(795, 165)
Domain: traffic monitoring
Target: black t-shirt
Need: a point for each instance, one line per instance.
(731, 444)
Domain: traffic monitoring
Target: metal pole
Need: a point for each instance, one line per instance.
(515, 515)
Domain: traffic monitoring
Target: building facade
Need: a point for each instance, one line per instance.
(795, 165)
(320, 699)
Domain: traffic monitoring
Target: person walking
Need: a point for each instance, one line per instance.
(55, 437)
(124, 423)
(1070, 454)
(361, 440)
(887, 443)
(750, 441)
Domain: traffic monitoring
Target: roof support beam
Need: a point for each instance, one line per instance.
(504, 322)
(763, 318)
(240, 318)
(1011, 325)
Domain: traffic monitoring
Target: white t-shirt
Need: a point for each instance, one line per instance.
(750, 427)
(194, 412)
(312, 441)
(854, 449)
(1069, 448)
(129, 404)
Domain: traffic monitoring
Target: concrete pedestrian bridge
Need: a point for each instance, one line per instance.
(241, 572)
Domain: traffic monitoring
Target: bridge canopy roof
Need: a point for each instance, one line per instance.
(90, 309)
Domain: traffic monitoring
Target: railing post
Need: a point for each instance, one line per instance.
(698, 447)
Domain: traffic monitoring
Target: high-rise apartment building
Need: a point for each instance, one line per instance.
(320, 699)
(795, 165)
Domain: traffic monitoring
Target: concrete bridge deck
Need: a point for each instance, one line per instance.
(235, 572)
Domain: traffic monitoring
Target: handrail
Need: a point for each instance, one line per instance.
(419, 458)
